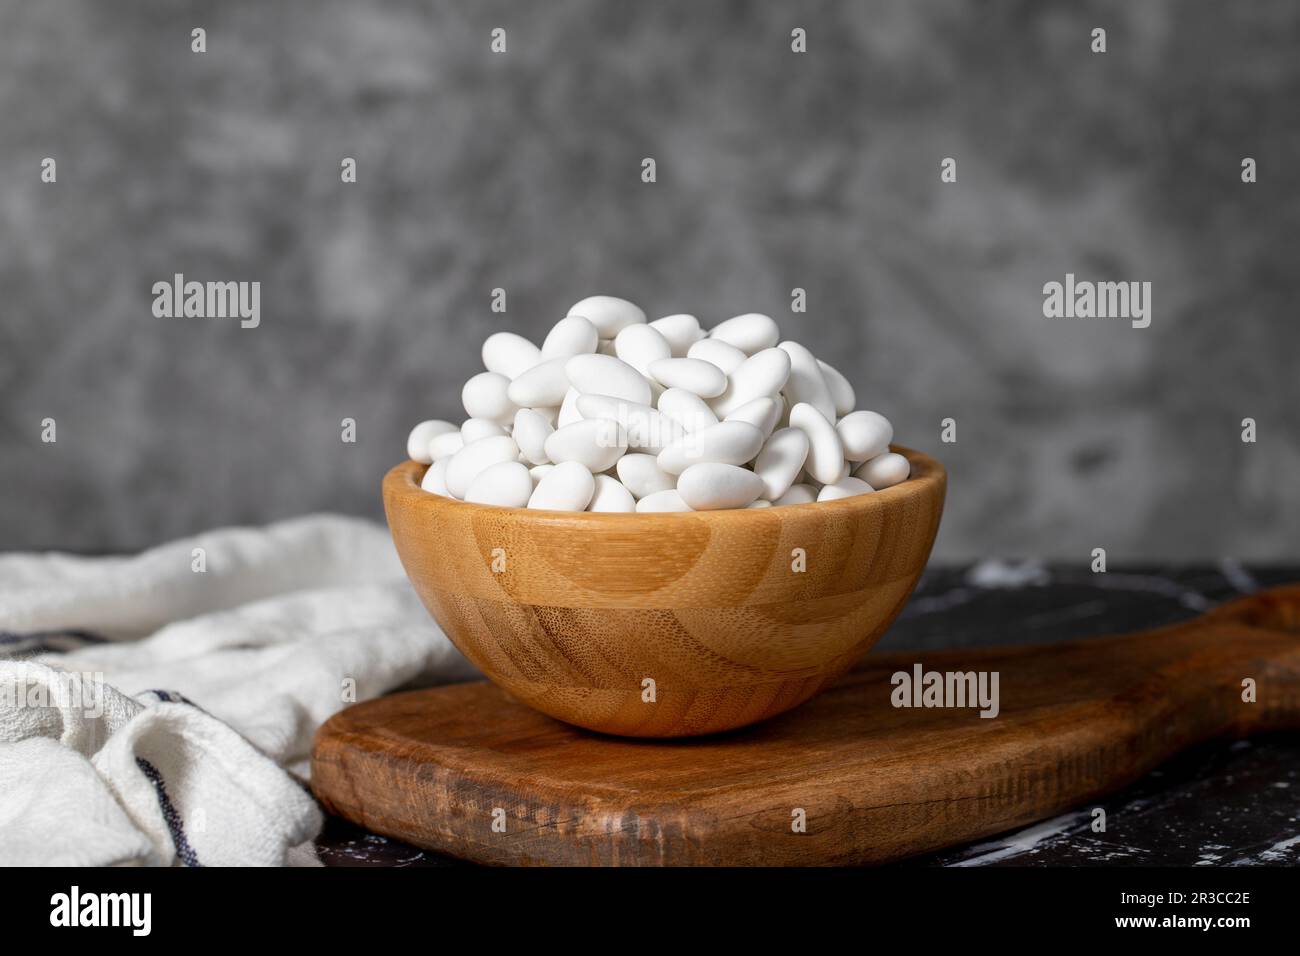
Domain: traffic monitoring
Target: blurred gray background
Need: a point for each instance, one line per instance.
(775, 170)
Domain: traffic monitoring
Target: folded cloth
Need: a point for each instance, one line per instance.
(132, 596)
(165, 698)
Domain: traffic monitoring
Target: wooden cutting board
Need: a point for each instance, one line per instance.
(467, 771)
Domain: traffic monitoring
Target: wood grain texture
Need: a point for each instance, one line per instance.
(705, 604)
(877, 783)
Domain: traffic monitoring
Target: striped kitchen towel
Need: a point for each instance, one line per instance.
(159, 708)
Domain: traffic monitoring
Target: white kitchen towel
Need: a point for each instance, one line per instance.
(151, 707)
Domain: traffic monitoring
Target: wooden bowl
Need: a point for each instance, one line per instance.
(666, 625)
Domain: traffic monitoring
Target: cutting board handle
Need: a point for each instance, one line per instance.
(1277, 609)
(1240, 664)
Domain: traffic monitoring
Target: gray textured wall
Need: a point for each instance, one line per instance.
(775, 170)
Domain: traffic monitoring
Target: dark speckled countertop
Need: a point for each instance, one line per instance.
(1221, 804)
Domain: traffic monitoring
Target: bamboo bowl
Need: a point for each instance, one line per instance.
(666, 625)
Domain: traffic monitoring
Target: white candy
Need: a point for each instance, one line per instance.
(797, 495)
(762, 375)
(844, 488)
(485, 396)
(806, 383)
(695, 375)
(646, 428)
(687, 409)
(825, 453)
(864, 435)
(660, 501)
(530, 433)
(609, 314)
(780, 461)
(417, 442)
(445, 445)
(751, 332)
(784, 420)
(884, 471)
(724, 356)
(642, 476)
(595, 443)
(466, 464)
(664, 416)
(572, 335)
(507, 484)
(569, 413)
(762, 413)
(639, 345)
(472, 429)
(681, 331)
(508, 354)
(542, 385)
(841, 391)
(611, 496)
(730, 443)
(566, 487)
(606, 375)
(435, 479)
(711, 485)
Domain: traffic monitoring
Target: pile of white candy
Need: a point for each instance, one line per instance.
(616, 414)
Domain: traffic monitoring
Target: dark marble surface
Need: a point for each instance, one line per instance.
(1220, 804)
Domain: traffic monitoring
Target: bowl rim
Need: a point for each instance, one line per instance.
(404, 479)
